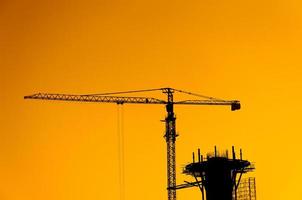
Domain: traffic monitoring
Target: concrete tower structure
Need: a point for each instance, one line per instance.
(217, 175)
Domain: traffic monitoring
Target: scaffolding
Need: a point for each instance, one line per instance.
(246, 189)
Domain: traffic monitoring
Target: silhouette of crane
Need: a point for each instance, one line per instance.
(170, 133)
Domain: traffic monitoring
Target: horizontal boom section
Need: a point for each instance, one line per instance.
(95, 98)
(235, 105)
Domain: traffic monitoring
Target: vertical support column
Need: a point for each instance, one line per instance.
(199, 158)
(233, 152)
(193, 155)
(235, 184)
(255, 188)
(170, 140)
(250, 191)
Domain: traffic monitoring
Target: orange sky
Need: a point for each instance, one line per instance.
(232, 49)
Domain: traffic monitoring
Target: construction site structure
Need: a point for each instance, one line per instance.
(219, 177)
(246, 189)
(170, 133)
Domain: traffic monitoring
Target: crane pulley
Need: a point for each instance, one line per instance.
(170, 133)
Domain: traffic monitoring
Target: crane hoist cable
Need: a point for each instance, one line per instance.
(121, 150)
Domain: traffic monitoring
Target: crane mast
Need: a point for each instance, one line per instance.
(170, 140)
(170, 133)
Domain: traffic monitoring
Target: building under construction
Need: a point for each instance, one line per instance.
(219, 177)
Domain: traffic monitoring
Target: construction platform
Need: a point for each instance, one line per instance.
(219, 176)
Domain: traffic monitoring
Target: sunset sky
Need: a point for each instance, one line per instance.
(231, 49)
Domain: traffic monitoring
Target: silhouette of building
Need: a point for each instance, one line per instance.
(220, 177)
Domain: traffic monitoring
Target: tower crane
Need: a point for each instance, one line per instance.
(170, 133)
